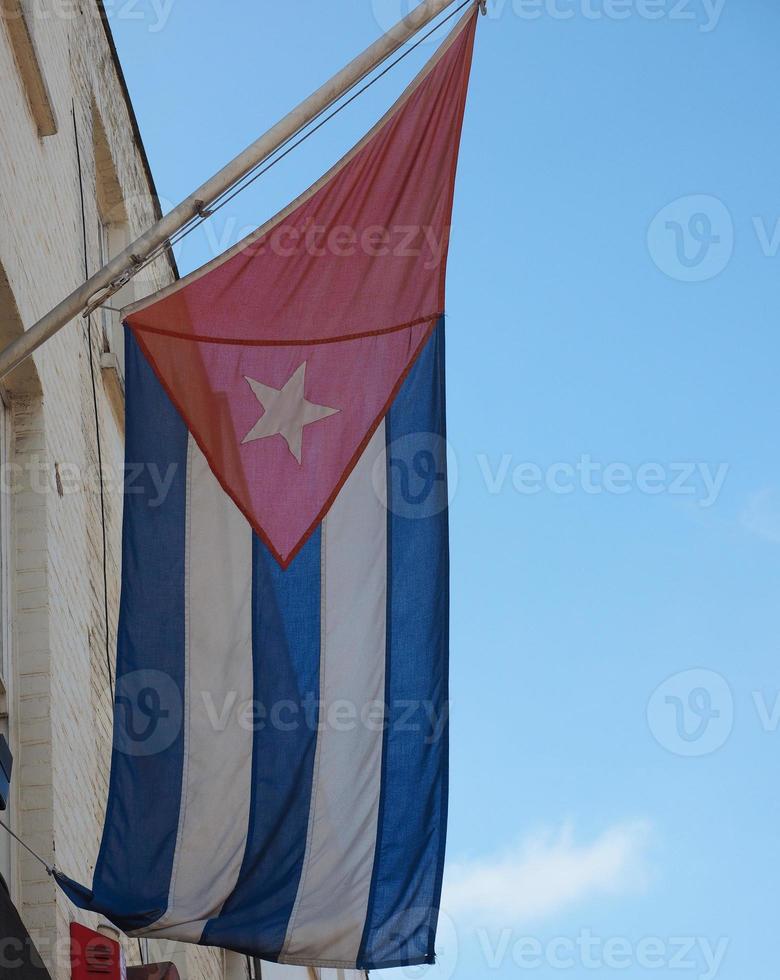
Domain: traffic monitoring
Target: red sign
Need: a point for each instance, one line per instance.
(93, 956)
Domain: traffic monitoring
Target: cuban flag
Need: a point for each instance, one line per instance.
(279, 774)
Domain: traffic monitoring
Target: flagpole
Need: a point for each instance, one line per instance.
(124, 266)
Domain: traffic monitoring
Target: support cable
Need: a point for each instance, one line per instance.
(50, 869)
(286, 148)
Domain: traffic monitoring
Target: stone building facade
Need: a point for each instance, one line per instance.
(75, 186)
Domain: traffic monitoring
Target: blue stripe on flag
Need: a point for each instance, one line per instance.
(133, 870)
(286, 652)
(405, 891)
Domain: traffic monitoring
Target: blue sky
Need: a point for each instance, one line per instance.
(614, 412)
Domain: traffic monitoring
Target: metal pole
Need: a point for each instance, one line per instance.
(120, 269)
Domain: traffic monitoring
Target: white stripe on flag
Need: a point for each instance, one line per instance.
(330, 909)
(217, 769)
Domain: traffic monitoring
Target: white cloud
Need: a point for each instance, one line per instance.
(761, 516)
(545, 874)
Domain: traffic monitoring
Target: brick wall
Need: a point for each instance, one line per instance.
(59, 699)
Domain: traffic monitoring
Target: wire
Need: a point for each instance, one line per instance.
(262, 168)
(97, 415)
(252, 178)
(49, 868)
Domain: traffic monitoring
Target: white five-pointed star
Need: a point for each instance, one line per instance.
(286, 411)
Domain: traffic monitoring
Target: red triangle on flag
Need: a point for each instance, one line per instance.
(283, 355)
